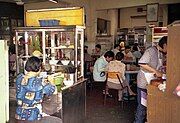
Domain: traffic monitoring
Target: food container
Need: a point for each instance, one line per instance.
(58, 81)
(48, 22)
(65, 62)
(156, 82)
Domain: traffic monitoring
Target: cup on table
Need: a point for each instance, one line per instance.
(128, 67)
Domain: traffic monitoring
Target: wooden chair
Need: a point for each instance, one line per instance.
(88, 72)
(115, 75)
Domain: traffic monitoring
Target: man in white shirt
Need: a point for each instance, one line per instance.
(100, 66)
(148, 64)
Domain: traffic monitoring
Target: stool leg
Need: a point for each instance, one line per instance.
(105, 95)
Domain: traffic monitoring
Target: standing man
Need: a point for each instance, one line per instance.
(149, 63)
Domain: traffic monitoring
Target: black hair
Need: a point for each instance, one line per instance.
(85, 46)
(127, 47)
(33, 64)
(12, 49)
(162, 41)
(116, 45)
(98, 46)
(119, 56)
(135, 48)
(109, 54)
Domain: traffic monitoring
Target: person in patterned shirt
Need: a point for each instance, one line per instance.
(30, 90)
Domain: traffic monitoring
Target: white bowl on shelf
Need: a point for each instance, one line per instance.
(53, 62)
(73, 62)
(68, 83)
(65, 62)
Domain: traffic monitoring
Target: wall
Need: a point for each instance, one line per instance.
(129, 17)
(11, 10)
(111, 4)
(92, 5)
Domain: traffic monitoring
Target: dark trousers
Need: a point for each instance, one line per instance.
(141, 111)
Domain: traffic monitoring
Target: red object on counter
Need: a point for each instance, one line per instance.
(160, 30)
(157, 82)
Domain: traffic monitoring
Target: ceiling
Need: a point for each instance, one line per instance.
(25, 1)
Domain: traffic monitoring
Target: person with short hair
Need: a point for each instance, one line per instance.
(149, 63)
(87, 56)
(100, 66)
(97, 50)
(116, 49)
(118, 66)
(128, 54)
(30, 90)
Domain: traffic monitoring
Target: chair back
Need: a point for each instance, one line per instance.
(115, 75)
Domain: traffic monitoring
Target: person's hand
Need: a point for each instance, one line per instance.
(50, 79)
(158, 74)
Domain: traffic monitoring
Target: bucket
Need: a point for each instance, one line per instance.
(58, 81)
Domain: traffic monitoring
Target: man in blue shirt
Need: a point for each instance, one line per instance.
(100, 65)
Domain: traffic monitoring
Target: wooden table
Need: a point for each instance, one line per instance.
(128, 73)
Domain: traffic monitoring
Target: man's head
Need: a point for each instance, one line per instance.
(109, 55)
(85, 49)
(119, 56)
(163, 44)
(117, 46)
(127, 49)
(33, 64)
(98, 47)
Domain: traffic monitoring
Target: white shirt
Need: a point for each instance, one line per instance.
(116, 66)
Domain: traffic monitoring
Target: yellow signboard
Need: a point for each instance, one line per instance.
(66, 16)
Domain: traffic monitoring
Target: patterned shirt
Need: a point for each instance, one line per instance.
(29, 95)
(150, 57)
(116, 66)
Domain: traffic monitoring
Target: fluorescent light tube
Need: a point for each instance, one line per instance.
(54, 1)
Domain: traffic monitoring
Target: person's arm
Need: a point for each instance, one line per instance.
(49, 88)
(145, 59)
(107, 67)
(101, 67)
(151, 70)
(123, 72)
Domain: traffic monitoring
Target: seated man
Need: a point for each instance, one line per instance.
(128, 54)
(116, 49)
(118, 66)
(96, 53)
(100, 66)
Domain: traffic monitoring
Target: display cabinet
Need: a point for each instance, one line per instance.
(157, 33)
(61, 48)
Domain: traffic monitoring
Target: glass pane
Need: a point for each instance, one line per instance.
(34, 42)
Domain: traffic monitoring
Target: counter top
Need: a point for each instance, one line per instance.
(156, 82)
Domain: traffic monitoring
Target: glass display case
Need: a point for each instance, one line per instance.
(61, 48)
